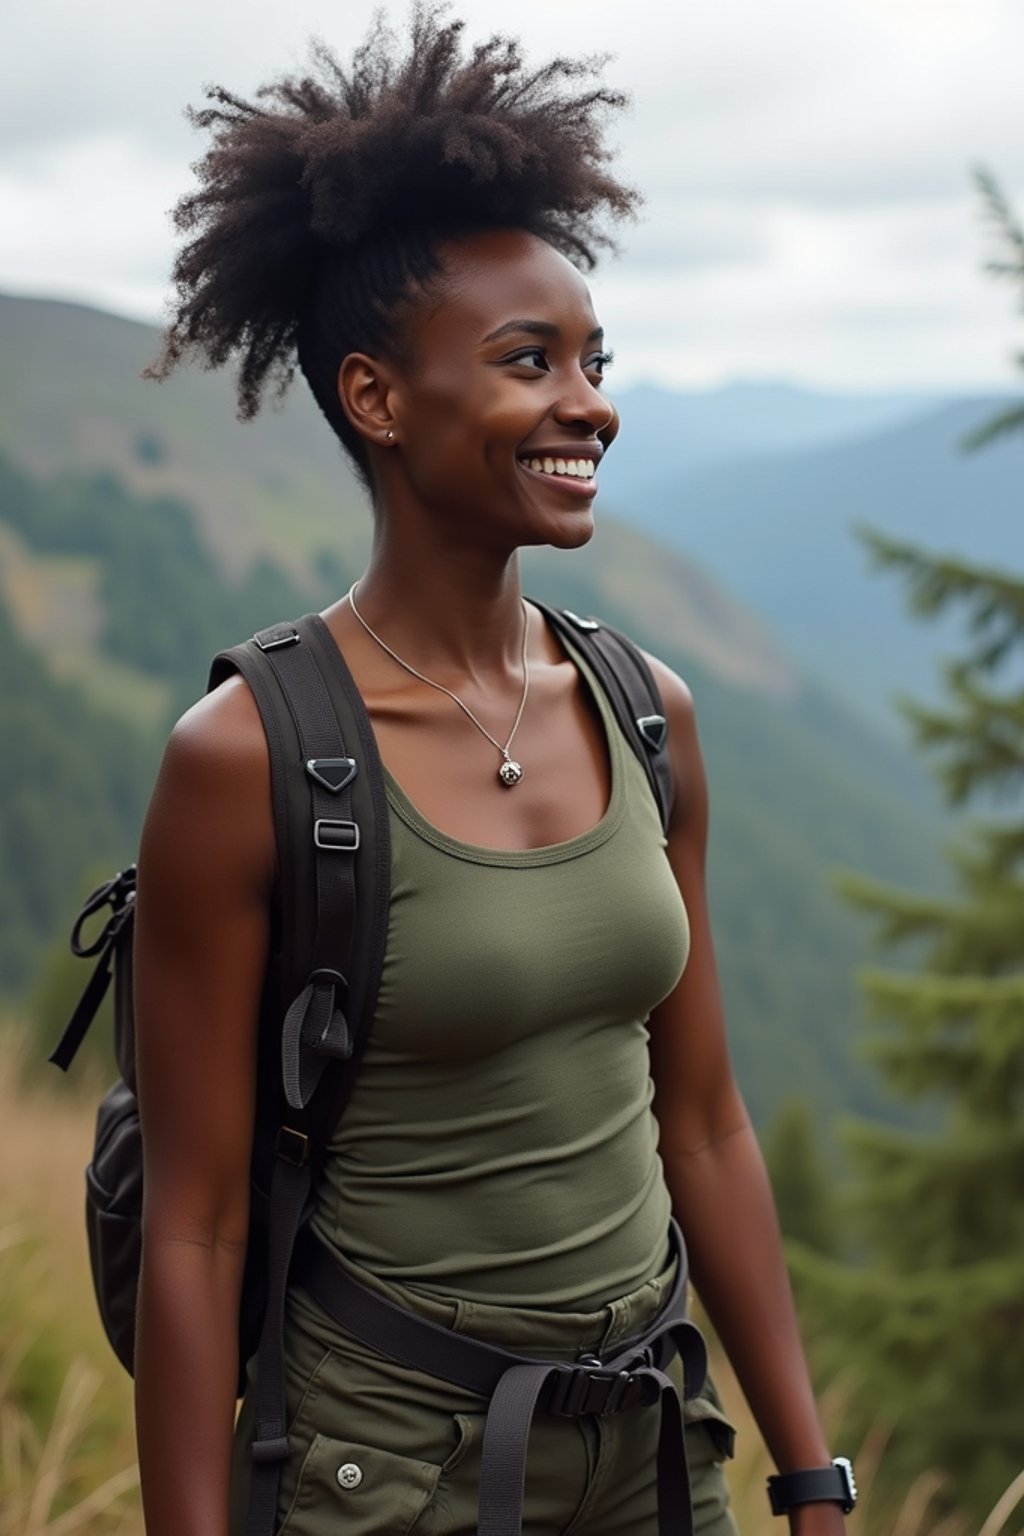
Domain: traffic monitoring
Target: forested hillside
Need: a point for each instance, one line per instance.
(73, 783)
(92, 695)
(117, 585)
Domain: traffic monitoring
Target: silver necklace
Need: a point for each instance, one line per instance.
(510, 771)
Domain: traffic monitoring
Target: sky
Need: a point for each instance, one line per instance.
(810, 210)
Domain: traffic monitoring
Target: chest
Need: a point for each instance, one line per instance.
(488, 952)
(448, 768)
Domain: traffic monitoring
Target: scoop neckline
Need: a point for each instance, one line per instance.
(544, 853)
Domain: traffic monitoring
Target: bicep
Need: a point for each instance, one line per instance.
(200, 951)
(696, 1097)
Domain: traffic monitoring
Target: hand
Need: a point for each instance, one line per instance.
(818, 1519)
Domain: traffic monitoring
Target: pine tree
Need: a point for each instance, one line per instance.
(933, 1321)
(1009, 265)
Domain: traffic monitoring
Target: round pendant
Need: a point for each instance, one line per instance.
(510, 773)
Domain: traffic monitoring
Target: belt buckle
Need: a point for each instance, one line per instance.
(589, 1387)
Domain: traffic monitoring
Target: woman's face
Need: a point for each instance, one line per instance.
(502, 383)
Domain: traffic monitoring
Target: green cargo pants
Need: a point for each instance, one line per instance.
(379, 1449)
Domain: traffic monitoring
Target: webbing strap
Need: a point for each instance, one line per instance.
(316, 1026)
(506, 1434)
(289, 1187)
(119, 895)
(627, 665)
(315, 1031)
(632, 693)
(518, 1385)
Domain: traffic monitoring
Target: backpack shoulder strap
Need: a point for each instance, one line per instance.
(632, 691)
(331, 825)
(329, 805)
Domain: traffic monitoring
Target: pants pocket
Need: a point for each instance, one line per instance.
(358, 1489)
(708, 1428)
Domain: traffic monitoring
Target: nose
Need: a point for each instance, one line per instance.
(582, 404)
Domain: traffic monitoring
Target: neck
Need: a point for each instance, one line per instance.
(449, 612)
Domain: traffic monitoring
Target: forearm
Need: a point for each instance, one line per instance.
(185, 1382)
(723, 1202)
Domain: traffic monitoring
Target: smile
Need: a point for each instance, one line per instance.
(576, 476)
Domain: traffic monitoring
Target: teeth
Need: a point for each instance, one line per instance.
(578, 469)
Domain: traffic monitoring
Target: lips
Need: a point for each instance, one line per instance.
(568, 466)
(574, 468)
(571, 485)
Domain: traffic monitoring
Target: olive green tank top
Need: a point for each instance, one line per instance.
(499, 1143)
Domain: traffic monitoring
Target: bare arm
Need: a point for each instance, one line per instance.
(205, 874)
(716, 1175)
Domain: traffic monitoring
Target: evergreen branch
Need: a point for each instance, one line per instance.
(935, 580)
(999, 849)
(983, 740)
(935, 996)
(901, 913)
(996, 210)
(1000, 425)
(997, 213)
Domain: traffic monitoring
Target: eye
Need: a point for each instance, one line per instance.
(599, 363)
(528, 355)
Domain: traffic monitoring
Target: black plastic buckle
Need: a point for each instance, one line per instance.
(580, 622)
(580, 1390)
(336, 836)
(332, 773)
(653, 729)
(275, 636)
(293, 1147)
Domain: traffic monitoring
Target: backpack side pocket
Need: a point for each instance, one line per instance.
(113, 1217)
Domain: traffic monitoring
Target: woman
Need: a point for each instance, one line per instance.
(512, 1153)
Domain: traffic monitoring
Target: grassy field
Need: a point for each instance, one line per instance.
(67, 1461)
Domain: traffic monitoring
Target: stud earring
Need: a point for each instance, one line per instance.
(389, 434)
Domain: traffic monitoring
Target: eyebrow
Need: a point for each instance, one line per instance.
(537, 328)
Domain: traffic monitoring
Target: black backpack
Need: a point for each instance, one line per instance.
(328, 935)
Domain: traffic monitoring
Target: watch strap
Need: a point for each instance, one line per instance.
(832, 1484)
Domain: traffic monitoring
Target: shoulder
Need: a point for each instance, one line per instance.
(213, 788)
(675, 694)
(678, 704)
(221, 735)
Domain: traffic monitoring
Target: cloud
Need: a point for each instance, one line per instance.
(806, 166)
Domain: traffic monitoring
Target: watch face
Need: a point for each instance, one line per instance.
(845, 1466)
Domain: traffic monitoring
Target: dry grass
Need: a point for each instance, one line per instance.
(915, 1515)
(67, 1454)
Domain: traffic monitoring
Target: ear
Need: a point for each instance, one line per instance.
(365, 388)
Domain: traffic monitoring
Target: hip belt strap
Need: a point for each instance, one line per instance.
(518, 1385)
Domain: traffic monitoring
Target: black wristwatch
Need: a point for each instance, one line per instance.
(832, 1484)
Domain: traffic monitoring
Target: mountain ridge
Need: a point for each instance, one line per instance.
(797, 782)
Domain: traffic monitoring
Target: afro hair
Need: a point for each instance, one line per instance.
(321, 204)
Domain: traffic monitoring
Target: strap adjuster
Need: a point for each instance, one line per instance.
(579, 621)
(293, 1147)
(332, 773)
(579, 1390)
(275, 636)
(653, 729)
(336, 836)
